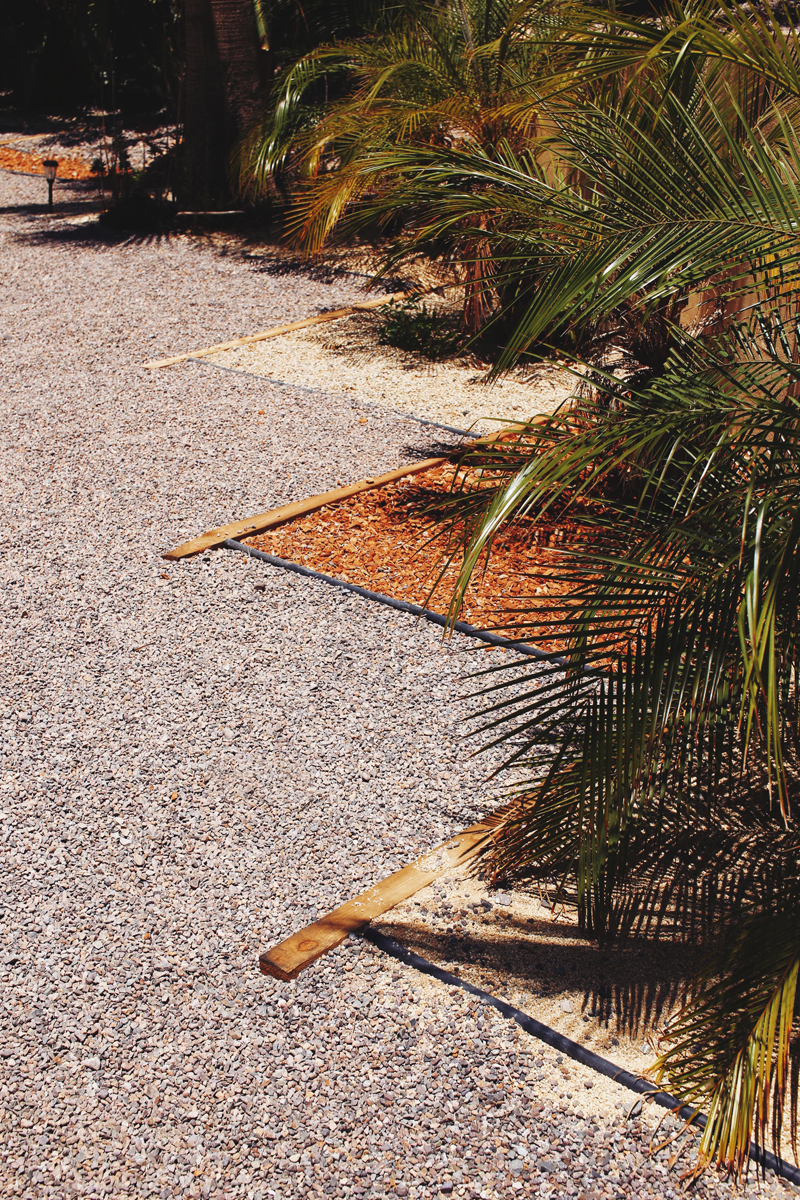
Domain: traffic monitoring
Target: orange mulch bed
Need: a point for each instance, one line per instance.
(20, 160)
(382, 541)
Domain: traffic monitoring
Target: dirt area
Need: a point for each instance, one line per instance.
(30, 163)
(348, 357)
(384, 540)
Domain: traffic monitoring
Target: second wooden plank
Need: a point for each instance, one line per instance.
(290, 957)
(278, 330)
(286, 512)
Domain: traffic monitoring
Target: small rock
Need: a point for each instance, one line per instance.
(446, 1188)
(503, 899)
(567, 1006)
(93, 1063)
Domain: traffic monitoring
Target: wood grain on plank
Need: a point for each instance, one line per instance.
(289, 958)
(336, 315)
(286, 512)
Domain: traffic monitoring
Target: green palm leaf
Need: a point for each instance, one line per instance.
(731, 1048)
(660, 765)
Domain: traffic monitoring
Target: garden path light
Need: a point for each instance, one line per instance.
(50, 168)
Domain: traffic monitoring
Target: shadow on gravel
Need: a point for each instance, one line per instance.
(321, 272)
(86, 236)
(429, 450)
(626, 987)
(100, 233)
(63, 211)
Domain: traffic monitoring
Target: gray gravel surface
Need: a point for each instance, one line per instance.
(194, 768)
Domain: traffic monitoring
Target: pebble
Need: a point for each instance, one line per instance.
(193, 769)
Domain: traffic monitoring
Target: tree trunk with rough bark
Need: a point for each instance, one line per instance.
(223, 93)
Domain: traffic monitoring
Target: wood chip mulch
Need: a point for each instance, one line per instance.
(31, 164)
(382, 540)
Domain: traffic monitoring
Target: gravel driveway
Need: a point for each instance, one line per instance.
(193, 768)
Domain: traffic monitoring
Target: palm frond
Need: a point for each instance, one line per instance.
(673, 728)
(731, 1049)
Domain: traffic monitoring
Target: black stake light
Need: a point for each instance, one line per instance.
(50, 167)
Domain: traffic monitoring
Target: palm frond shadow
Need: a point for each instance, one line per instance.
(40, 209)
(432, 449)
(320, 270)
(88, 236)
(628, 988)
(700, 881)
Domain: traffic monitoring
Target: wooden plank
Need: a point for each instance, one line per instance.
(248, 340)
(298, 508)
(290, 957)
(286, 512)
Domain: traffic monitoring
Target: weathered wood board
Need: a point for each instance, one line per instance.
(298, 508)
(276, 331)
(289, 958)
(287, 512)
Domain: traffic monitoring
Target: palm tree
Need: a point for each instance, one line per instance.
(660, 766)
(224, 90)
(662, 760)
(626, 185)
(430, 76)
(466, 128)
(233, 49)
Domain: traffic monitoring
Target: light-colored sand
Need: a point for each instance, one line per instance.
(346, 357)
(613, 1001)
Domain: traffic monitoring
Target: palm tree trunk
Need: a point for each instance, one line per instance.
(224, 88)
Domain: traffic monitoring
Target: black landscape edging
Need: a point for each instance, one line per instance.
(316, 391)
(559, 1041)
(493, 639)
(565, 1045)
